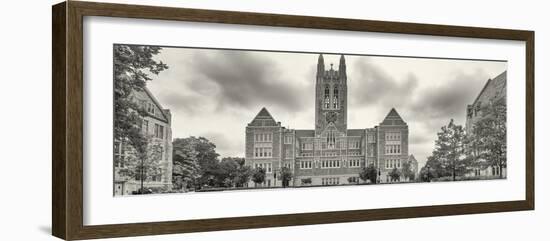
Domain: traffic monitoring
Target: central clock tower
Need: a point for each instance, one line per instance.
(331, 97)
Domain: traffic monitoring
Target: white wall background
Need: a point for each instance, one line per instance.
(25, 99)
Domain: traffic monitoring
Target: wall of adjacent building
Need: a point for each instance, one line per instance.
(383, 157)
(125, 185)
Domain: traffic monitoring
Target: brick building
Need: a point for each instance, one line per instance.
(157, 126)
(330, 154)
(494, 89)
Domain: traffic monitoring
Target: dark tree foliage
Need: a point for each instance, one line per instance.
(285, 176)
(197, 165)
(425, 175)
(186, 169)
(406, 171)
(432, 169)
(259, 175)
(231, 172)
(489, 136)
(368, 173)
(206, 158)
(234, 172)
(450, 151)
(451, 157)
(394, 174)
(244, 173)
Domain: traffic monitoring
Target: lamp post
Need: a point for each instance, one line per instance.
(428, 174)
(275, 177)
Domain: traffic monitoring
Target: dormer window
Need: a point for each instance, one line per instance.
(150, 108)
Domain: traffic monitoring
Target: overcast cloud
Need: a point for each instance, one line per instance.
(216, 93)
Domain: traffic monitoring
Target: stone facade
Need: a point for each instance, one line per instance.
(330, 154)
(157, 126)
(494, 89)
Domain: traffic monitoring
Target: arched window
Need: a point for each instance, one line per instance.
(331, 139)
(335, 98)
(327, 97)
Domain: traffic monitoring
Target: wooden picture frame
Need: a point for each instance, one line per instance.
(67, 123)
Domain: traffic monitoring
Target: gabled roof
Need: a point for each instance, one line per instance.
(393, 119)
(263, 118)
(501, 77)
(145, 93)
(264, 114)
(412, 158)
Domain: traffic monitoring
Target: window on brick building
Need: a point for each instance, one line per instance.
(306, 164)
(150, 108)
(263, 152)
(145, 127)
(393, 136)
(288, 139)
(120, 154)
(159, 131)
(263, 137)
(392, 149)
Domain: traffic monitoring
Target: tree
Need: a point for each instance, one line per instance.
(204, 168)
(208, 160)
(132, 66)
(230, 172)
(144, 164)
(432, 168)
(226, 173)
(238, 160)
(406, 171)
(426, 175)
(394, 174)
(258, 176)
(449, 148)
(285, 176)
(490, 135)
(368, 173)
(243, 175)
(206, 157)
(234, 169)
(186, 169)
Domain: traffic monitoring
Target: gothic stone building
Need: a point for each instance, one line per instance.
(330, 154)
(494, 89)
(157, 126)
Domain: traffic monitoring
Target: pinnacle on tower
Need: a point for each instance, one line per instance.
(320, 66)
(342, 67)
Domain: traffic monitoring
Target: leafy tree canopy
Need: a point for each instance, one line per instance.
(368, 173)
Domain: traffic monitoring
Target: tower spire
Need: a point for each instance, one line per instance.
(320, 66)
(342, 67)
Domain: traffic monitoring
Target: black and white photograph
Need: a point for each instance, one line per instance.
(199, 120)
(270, 120)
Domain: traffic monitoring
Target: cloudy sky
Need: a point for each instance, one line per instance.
(216, 93)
